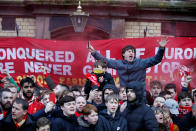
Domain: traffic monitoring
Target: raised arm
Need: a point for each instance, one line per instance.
(159, 55)
(115, 64)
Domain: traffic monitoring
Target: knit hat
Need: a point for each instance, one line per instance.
(172, 105)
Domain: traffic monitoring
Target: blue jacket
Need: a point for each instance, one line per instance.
(64, 123)
(108, 123)
(140, 117)
(134, 71)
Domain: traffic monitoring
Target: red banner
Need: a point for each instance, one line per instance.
(69, 61)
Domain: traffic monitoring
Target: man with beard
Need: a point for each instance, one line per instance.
(27, 92)
(6, 100)
(18, 119)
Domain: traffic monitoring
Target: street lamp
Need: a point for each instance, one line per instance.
(79, 18)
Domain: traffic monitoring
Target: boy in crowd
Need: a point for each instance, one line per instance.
(110, 118)
(66, 120)
(131, 68)
(171, 88)
(189, 120)
(80, 103)
(159, 101)
(107, 91)
(43, 124)
(95, 96)
(122, 95)
(103, 78)
(185, 103)
(88, 121)
(155, 90)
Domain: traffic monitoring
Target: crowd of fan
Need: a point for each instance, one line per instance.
(99, 105)
(95, 108)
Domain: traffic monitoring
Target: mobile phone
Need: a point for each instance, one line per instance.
(52, 97)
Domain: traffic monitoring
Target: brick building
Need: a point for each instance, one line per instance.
(49, 19)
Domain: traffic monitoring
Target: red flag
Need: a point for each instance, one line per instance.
(92, 78)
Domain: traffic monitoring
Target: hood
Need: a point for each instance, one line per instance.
(109, 86)
(83, 122)
(138, 88)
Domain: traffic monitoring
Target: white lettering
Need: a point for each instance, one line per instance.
(69, 56)
(11, 53)
(59, 55)
(67, 70)
(3, 52)
(39, 55)
(87, 69)
(49, 55)
(140, 52)
(21, 53)
(32, 56)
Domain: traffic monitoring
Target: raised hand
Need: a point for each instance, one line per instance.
(90, 47)
(6, 72)
(43, 69)
(163, 42)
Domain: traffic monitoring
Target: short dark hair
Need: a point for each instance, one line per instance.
(27, 79)
(170, 86)
(101, 63)
(128, 47)
(184, 94)
(66, 99)
(25, 104)
(43, 121)
(86, 110)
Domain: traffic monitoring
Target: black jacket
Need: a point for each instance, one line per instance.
(64, 123)
(8, 124)
(108, 123)
(140, 117)
(187, 122)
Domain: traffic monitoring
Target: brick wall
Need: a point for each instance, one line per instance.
(26, 28)
(136, 29)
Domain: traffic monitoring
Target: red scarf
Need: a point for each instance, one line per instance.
(184, 110)
(121, 102)
(78, 114)
(17, 126)
(171, 127)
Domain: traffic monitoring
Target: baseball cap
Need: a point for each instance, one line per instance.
(172, 105)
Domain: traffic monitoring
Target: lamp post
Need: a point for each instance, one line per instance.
(79, 18)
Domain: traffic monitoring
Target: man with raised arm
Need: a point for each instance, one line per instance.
(131, 68)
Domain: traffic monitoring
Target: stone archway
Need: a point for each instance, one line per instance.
(68, 33)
